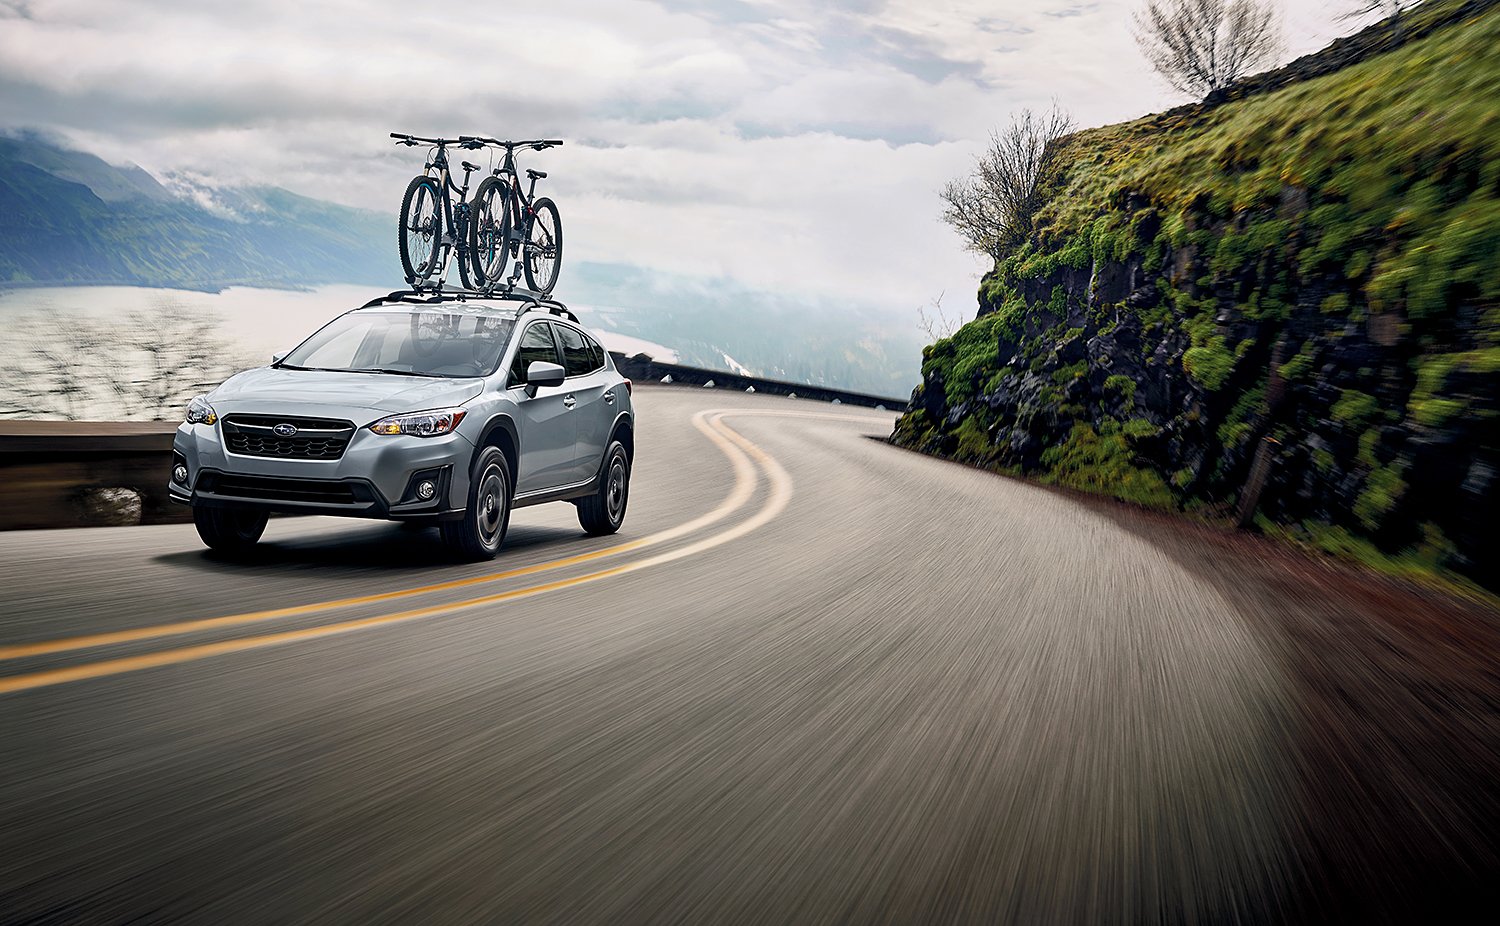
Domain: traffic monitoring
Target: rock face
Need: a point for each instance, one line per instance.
(1215, 285)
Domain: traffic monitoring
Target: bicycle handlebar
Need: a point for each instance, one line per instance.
(463, 141)
(534, 143)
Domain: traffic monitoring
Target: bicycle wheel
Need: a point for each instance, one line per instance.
(544, 247)
(488, 222)
(463, 217)
(420, 233)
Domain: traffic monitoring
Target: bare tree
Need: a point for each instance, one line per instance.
(1199, 46)
(992, 208)
(934, 322)
(75, 365)
(1385, 9)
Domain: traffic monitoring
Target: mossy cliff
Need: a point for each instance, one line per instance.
(1310, 265)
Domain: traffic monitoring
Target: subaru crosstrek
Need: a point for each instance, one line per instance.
(449, 410)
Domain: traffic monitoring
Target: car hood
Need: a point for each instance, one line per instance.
(344, 395)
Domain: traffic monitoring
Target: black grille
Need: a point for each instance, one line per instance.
(272, 489)
(316, 438)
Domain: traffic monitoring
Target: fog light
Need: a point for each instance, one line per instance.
(426, 490)
(179, 474)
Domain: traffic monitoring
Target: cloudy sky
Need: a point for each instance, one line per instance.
(788, 145)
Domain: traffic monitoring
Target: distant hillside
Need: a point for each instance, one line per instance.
(73, 218)
(1299, 285)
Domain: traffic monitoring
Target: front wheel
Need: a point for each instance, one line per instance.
(419, 232)
(489, 230)
(604, 511)
(229, 530)
(481, 531)
(544, 247)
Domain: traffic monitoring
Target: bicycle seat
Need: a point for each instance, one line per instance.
(537, 174)
(468, 166)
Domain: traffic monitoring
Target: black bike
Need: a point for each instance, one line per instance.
(509, 223)
(433, 226)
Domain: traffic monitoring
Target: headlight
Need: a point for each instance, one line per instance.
(200, 412)
(421, 424)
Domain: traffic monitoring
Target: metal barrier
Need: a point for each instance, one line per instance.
(69, 473)
(643, 368)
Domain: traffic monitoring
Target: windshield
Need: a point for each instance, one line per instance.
(421, 343)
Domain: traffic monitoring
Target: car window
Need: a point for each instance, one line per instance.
(536, 345)
(595, 350)
(577, 358)
(425, 343)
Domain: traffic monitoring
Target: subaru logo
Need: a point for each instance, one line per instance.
(285, 430)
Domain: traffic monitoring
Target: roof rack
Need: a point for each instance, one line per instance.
(529, 299)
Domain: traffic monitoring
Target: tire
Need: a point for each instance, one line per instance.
(461, 244)
(544, 241)
(480, 532)
(419, 232)
(229, 530)
(489, 221)
(604, 511)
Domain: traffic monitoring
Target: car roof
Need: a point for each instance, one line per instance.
(507, 304)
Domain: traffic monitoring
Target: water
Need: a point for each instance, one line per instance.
(261, 322)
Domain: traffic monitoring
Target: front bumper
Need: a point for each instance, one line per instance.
(375, 478)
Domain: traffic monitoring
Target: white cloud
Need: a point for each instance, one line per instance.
(782, 143)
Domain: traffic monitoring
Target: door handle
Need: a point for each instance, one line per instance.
(609, 397)
(569, 402)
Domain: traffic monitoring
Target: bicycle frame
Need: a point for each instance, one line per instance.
(452, 239)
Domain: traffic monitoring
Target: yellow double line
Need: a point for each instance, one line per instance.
(734, 446)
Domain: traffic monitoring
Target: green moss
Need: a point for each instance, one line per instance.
(1397, 157)
(973, 441)
(1104, 463)
(1434, 413)
(1298, 368)
(994, 382)
(1323, 461)
(1337, 304)
(1426, 562)
(1383, 491)
(1070, 372)
(1435, 374)
(971, 355)
(1368, 441)
(1354, 408)
(1209, 365)
(1121, 385)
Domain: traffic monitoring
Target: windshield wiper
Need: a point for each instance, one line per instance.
(282, 365)
(395, 372)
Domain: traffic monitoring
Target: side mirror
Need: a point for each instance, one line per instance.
(542, 373)
(277, 358)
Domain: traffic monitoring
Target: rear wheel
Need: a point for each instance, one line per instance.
(604, 511)
(229, 530)
(418, 234)
(543, 254)
(488, 224)
(481, 531)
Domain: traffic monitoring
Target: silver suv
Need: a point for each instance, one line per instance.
(450, 410)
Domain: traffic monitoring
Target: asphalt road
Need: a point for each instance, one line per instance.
(814, 679)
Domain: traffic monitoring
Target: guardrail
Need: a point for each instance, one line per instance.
(97, 473)
(86, 474)
(643, 368)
